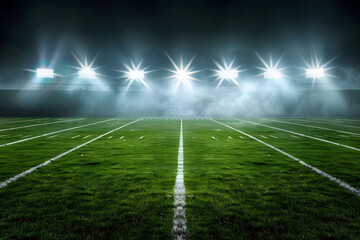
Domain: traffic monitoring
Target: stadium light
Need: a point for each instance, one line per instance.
(271, 70)
(44, 73)
(182, 74)
(272, 74)
(87, 73)
(135, 73)
(226, 72)
(315, 73)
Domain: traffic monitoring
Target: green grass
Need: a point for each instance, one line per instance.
(123, 188)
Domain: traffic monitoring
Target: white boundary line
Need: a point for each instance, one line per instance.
(10, 180)
(311, 126)
(331, 178)
(29, 120)
(51, 133)
(179, 228)
(303, 135)
(39, 124)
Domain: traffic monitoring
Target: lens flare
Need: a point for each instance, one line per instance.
(226, 72)
(271, 70)
(182, 74)
(86, 70)
(44, 73)
(315, 68)
(134, 73)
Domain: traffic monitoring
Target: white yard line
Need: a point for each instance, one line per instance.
(303, 135)
(294, 136)
(110, 137)
(52, 136)
(87, 136)
(32, 120)
(273, 136)
(324, 174)
(39, 124)
(179, 228)
(344, 136)
(241, 137)
(51, 133)
(263, 136)
(10, 180)
(311, 126)
(75, 136)
(335, 124)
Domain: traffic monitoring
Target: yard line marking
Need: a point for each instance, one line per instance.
(3, 135)
(75, 136)
(294, 136)
(32, 120)
(179, 228)
(87, 136)
(121, 137)
(51, 133)
(263, 136)
(26, 136)
(110, 137)
(229, 137)
(241, 137)
(52, 136)
(303, 135)
(39, 124)
(311, 126)
(335, 124)
(273, 136)
(324, 174)
(10, 180)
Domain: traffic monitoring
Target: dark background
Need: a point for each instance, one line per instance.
(42, 33)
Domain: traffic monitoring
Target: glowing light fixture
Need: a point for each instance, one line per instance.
(135, 73)
(315, 73)
(182, 74)
(226, 72)
(272, 73)
(44, 73)
(87, 73)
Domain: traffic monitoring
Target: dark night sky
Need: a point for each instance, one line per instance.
(145, 29)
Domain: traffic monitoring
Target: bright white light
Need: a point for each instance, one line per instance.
(271, 70)
(87, 73)
(45, 73)
(135, 73)
(272, 74)
(182, 74)
(314, 73)
(226, 72)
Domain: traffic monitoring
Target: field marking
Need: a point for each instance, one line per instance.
(39, 124)
(87, 136)
(311, 126)
(179, 228)
(241, 137)
(335, 124)
(273, 136)
(51, 133)
(33, 120)
(75, 136)
(294, 136)
(10, 180)
(52, 136)
(3, 135)
(263, 136)
(324, 174)
(303, 135)
(344, 136)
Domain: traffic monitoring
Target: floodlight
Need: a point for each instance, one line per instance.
(45, 73)
(272, 74)
(315, 73)
(135, 73)
(87, 73)
(182, 74)
(226, 72)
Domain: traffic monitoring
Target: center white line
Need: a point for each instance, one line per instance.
(331, 178)
(10, 180)
(39, 124)
(179, 228)
(303, 135)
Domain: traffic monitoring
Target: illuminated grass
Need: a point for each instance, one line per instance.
(123, 188)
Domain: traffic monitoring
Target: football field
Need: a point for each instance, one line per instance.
(166, 178)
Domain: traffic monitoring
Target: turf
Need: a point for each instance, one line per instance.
(120, 187)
